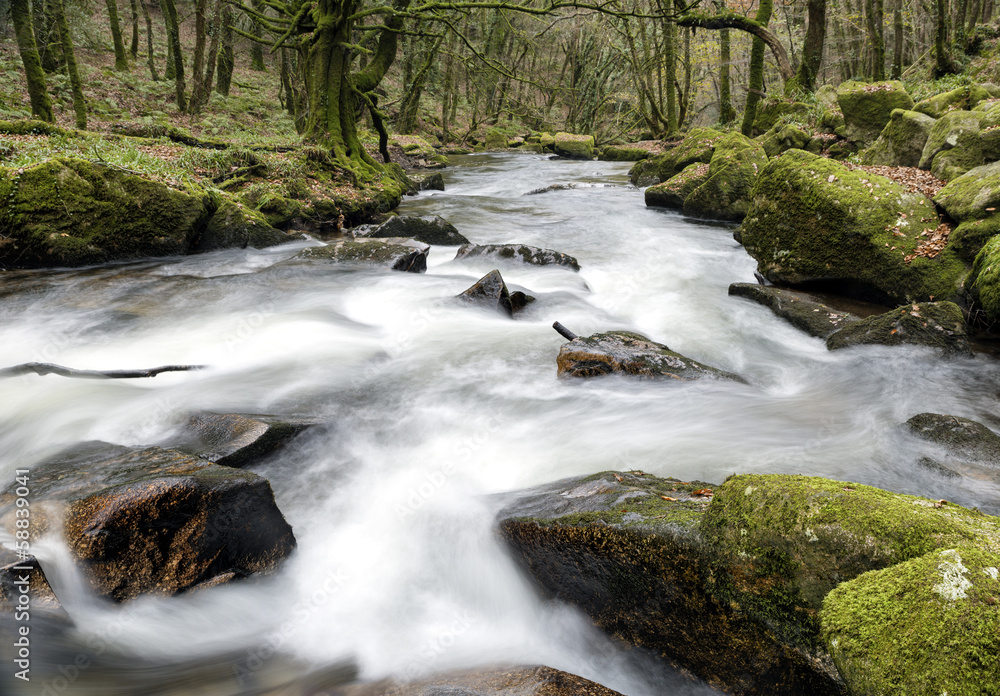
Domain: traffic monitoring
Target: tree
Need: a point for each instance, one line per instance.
(121, 62)
(41, 105)
(79, 105)
(755, 89)
(812, 48)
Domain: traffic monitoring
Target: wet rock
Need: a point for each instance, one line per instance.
(395, 253)
(628, 550)
(519, 253)
(574, 146)
(429, 229)
(428, 182)
(236, 226)
(516, 681)
(155, 521)
(799, 309)
(935, 324)
(813, 221)
(628, 353)
(490, 291)
(24, 577)
(237, 440)
(868, 107)
(961, 438)
(901, 142)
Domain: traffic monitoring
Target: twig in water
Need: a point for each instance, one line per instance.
(50, 369)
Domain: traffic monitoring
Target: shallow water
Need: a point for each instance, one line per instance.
(431, 406)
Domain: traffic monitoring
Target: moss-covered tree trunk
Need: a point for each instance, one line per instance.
(410, 108)
(199, 90)
(943, 63)
(79, 105)
(150, 58)
(47, 35)
(134, 47)
(227, 57)
(726, 111)
(121, 61)
(215, 31)
(812, 48)
(670, 67)
(41, 105)
(256, 49)
(177, 58)
(755, 88)
(876, 36)
(897, 39)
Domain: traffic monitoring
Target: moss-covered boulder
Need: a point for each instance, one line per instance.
(149, 520)
(961, 438)
(926, 626)
(799, 309)
(973, 200)
(672, 192)
(735, 165)
(770, 113)
(697, 146)
(71, 212)
(496, 139)
(954, 146)
(395, 253)
(625, 153)
(785, 137)
(901, 142)
(517, 253)
(963, 98)
(867, 107)
(628, 353)
(574, 146)
(811, 220)
(429, 229)
(235, 225)
(983, 284)
(937, 325)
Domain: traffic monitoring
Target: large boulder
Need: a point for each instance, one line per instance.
(770, 113)
(429, 229)
(812, 220)
(697, 146)
(150, 520)
(867, 107)
(937, 325)
(989, 132)
(517, 253)
(513, 681)
(574, 146)
(73, 212)
(672, 192)
(973, 200)
(399, 254)
(983, 284)
(628, 353)
(736, 162)
(954, 145)
(234, 225)
(785, 137)
(799, 309)
(963, 98)
(901, 142)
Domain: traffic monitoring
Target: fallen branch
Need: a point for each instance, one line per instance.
(50, 369)
(563, 331)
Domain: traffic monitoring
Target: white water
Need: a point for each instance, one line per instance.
(432, 405)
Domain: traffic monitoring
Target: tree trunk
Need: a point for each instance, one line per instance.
(897, 40)
(20, 15)
(174, 37)
(726, 111)
(215, 30)
(79, 105)
(943, 64)
(47, 39)
(134, 48)
(876, 36)
(257, 49)
(812, 48)
(151, 60)
(199, 90)
(755, 88)
(227, 60)
(121, 62)
(286, 83)
(670, 68)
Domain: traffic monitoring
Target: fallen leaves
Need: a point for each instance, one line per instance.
(707, 492)
(667, 497)
(932, 244)
(912, 179)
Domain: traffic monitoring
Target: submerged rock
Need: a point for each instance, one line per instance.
(490, 291)
(237, 440)
(521, 253)
(935, 324)
(19, 577)
(429, 229)
(967, 445)
(395, 253)
(150, 520)
(799, 309)
(813, 221)
(515, 681)
(628, 353)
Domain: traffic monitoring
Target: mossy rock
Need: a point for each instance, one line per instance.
(926, 626)
(867, 107)
(624, 153)
(72, 212)
(32, 127)
(953, 147)
(799, 309)
(574, 146)
(813, 221)
(785, 137)
(960, 99)
(629, 353)
(547, 141)
(234, 225)
(413, 145)
(279, 212)
(983, 282)
(827, 96)
(697, 146)
(973, 196)
(901, 142)
(963, 438)
(396, 254)
(771, 112)
(939, 325)
(496, 139)
(517, 253)
(736, 163)
(841, 149)
(968, 238)
(671, 193)
(645, 172)
(832, 121)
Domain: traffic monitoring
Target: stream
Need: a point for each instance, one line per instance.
(431, 407)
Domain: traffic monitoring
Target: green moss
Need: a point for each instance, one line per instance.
(813, 220)
(927, 626)
(624, 153)
(953, 146)
(671, 193)
(573, 145)
(725, 195)
(770, 113)
(939, 325)
(970, 237)
(496, 139)
(784, 137)
(983, 282)
(901, 142)
(868, 107)
(963, 98)
(32, 127)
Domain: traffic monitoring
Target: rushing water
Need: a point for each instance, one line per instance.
(433, 405)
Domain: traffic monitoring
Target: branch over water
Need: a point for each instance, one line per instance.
(50, 369)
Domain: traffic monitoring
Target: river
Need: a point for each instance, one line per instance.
(431, 407)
